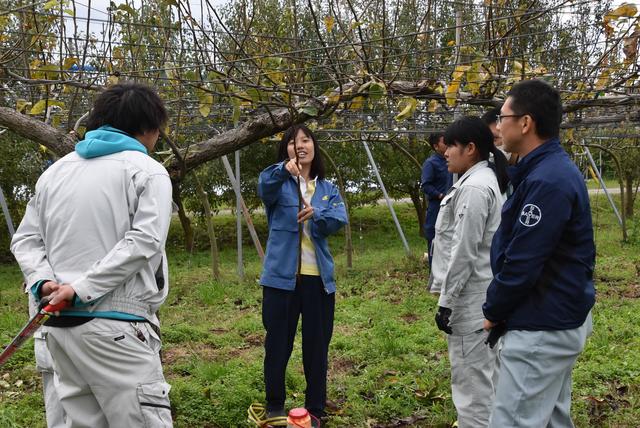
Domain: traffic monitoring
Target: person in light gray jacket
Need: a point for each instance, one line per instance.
(94, 235)
(461, 272)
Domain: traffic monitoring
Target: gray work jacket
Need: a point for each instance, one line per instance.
(461, 270)
(100, 225)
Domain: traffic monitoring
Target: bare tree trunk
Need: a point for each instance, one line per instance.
(347, 228)
(629, 196)
(417, 198)
(184, 219)
(215, 255)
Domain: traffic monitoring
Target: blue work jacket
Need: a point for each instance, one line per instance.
(279, 193)
(436, 178)
(434, 181)
(543, 253)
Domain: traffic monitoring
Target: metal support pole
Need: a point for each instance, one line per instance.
(7, 215)
(239, 217)
(386, 196)
(602, 184)
(456, 110)
(458, 34)
(245, 211)
(600, 161)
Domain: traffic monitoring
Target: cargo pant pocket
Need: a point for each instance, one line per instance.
(44, 362)
(154, 404)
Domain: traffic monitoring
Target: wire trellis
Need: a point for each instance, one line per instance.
(222, 68)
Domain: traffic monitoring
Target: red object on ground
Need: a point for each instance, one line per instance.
(301, 418)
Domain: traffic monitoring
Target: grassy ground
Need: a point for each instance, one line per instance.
(611, 183)
(387, 360)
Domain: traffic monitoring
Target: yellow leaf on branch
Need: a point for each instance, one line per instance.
(626, 10)
(329, 22)
(407, 107)
(452, 93)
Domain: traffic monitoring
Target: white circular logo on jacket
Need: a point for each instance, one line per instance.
(530, 215)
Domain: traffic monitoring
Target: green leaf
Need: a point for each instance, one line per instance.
(21, 104)
(216, 75)
(309, 111)
(170, 70)
(220, 88)
(356, 103)
(204, 109)
(205, 102)
(376, 91)
(51, 4)
(49, 71)
(39, 107)
(254, 94)
(236, 111)
(126, 8)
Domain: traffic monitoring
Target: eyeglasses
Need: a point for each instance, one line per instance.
(499, 117)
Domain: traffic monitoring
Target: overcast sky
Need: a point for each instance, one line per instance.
(99, 7)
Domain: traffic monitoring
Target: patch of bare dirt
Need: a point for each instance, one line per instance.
(341, 365)
(599, 408)
(173, 355)
(410, 318)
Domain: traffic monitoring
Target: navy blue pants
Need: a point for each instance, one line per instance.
(280, 312)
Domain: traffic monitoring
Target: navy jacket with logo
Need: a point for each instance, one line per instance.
(543, 253)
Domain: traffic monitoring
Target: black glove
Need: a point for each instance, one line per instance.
(496, 332)
(442, 319)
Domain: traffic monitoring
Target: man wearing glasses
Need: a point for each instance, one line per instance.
(491, 119)
(542, 258)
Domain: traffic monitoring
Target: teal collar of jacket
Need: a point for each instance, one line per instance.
(107, 140)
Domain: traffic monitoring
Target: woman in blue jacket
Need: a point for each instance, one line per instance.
(303, 209)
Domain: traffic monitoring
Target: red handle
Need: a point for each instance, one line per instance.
(55, 308)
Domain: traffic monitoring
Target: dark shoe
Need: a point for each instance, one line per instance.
(276, 418)
(331, 407)
(317, 420)
(276, 413)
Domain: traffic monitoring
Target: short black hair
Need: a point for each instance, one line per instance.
(434, 137)
(491, 116)
(317, 164)
(130, 107)
(540, 101)
(472, 129)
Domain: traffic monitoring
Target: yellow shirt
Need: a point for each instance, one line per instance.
(309, 265)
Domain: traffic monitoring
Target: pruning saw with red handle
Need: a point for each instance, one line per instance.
(43, 314)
